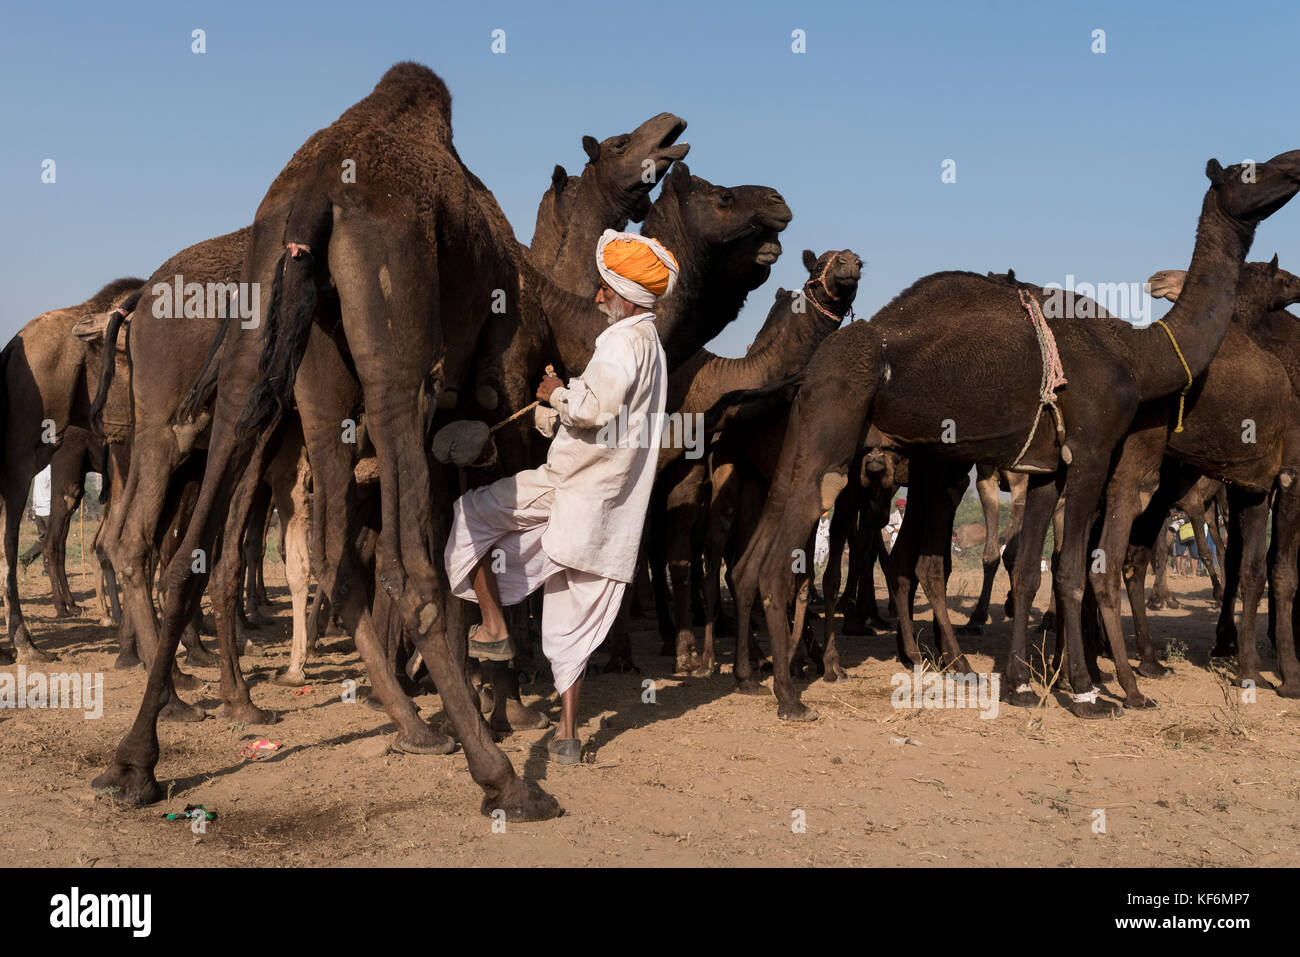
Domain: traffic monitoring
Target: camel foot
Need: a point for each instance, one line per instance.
(178, 711)
(374, 704)
(960, 666)
(196, 656)
(856, 627)
(1155, 604)
(970, 630)
(797, 711)
(290, 678)
(252, 649)
(1153, 669)
(134, 785)
(705, 669)
(184, 681)
(1224, 648)
(1096, 709)
(425, 741)
(1288, 689)
(29, 654)
(1139, 701)
(67, 611)
(750, 686)
(126, 661)
(518, 717)
(621, 664)
(686, 663)
(521, 801)
(1172, 602)
(833, 671)
(247, 712)
(1022, 699)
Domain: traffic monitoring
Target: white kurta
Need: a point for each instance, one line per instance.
(575, 523)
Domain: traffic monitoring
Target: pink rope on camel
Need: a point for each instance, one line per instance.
(1053, 373)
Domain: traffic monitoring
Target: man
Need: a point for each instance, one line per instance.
(894, 524)
(41, 513)
(573, 526)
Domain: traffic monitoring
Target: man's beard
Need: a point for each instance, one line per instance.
(616, 312)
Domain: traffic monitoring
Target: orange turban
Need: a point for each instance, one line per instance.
(636, 267)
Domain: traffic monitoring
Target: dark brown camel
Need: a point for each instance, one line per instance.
(80, 453)
(796, 324)
(48, 378)
(1243, 384)
(900, 373)
(418, 238)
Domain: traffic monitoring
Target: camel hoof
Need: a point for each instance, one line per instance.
(1288, 689)
(1155, 604)
(1139, 701)
(178, 711)
(970, 631)
(856, 627)
(70, 611)
(797, 712)
(1022, 699)
(30, 653)
(246, 712)
(200, 657)
(705, 670)
(518, 716)
(1256, 680)
(374, 704)
(522, 801)
(1096, 709)
(1154, 669)
(252, 649)
(620, 664)
(1172, 602)
(686, 664)
(428, 741)
(750, 686)
(130, 784)
(1224, 649)
(289, 678)
(184, 681)
(960, 666)
(126, 661)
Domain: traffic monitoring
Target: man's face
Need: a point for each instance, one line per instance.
(613, 306)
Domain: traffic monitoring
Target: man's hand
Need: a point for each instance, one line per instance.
(549, 385)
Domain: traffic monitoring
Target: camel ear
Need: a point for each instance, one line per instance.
(1214, 171)
(1167, 283)
(592, 148)
(1272, 266)
(1011, 275)
(559, 178)
(679, 178)
(809, 260)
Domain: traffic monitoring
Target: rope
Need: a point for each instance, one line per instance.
(1053, 373)
(1182, 396)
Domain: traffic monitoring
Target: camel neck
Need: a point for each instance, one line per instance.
(594, 212)
(1199, 320)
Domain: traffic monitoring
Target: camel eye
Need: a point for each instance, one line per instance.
(725, 200)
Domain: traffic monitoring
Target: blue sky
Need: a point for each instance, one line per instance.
(1067, 161)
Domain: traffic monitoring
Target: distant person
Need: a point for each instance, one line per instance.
(40, 513)
(895, 523)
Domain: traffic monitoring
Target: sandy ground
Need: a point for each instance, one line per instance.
(702, 776)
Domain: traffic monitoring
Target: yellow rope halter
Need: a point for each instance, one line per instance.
(1179, 352)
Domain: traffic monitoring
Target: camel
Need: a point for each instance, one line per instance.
(899, 373)
(796, 324)
(1243, 384)
(47, 378)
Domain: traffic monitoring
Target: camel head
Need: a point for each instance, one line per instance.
(1261, 289)
(739, 222)
(627, 167)
(836, 273)
(1251, 192)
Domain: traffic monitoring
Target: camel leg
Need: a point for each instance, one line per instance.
(901, 569)
(1160, 560)
(986, 486)
(1253, 508)
(1283, 579)
(681, 509)
(254, 552)
(1196, 514)
(66, 492)
(946, 486)
(1225, 630)
(720, 516)
(25, 650)
(1041, 498)
(1148, 530)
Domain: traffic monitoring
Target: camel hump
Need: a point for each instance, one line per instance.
(1167, 283)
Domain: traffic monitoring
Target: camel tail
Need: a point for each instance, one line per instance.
(205, 383)
(108, 365)
(288, 319)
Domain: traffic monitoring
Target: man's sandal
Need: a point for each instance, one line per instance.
(502, 650)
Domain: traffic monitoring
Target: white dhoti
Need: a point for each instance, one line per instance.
(512, 514)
